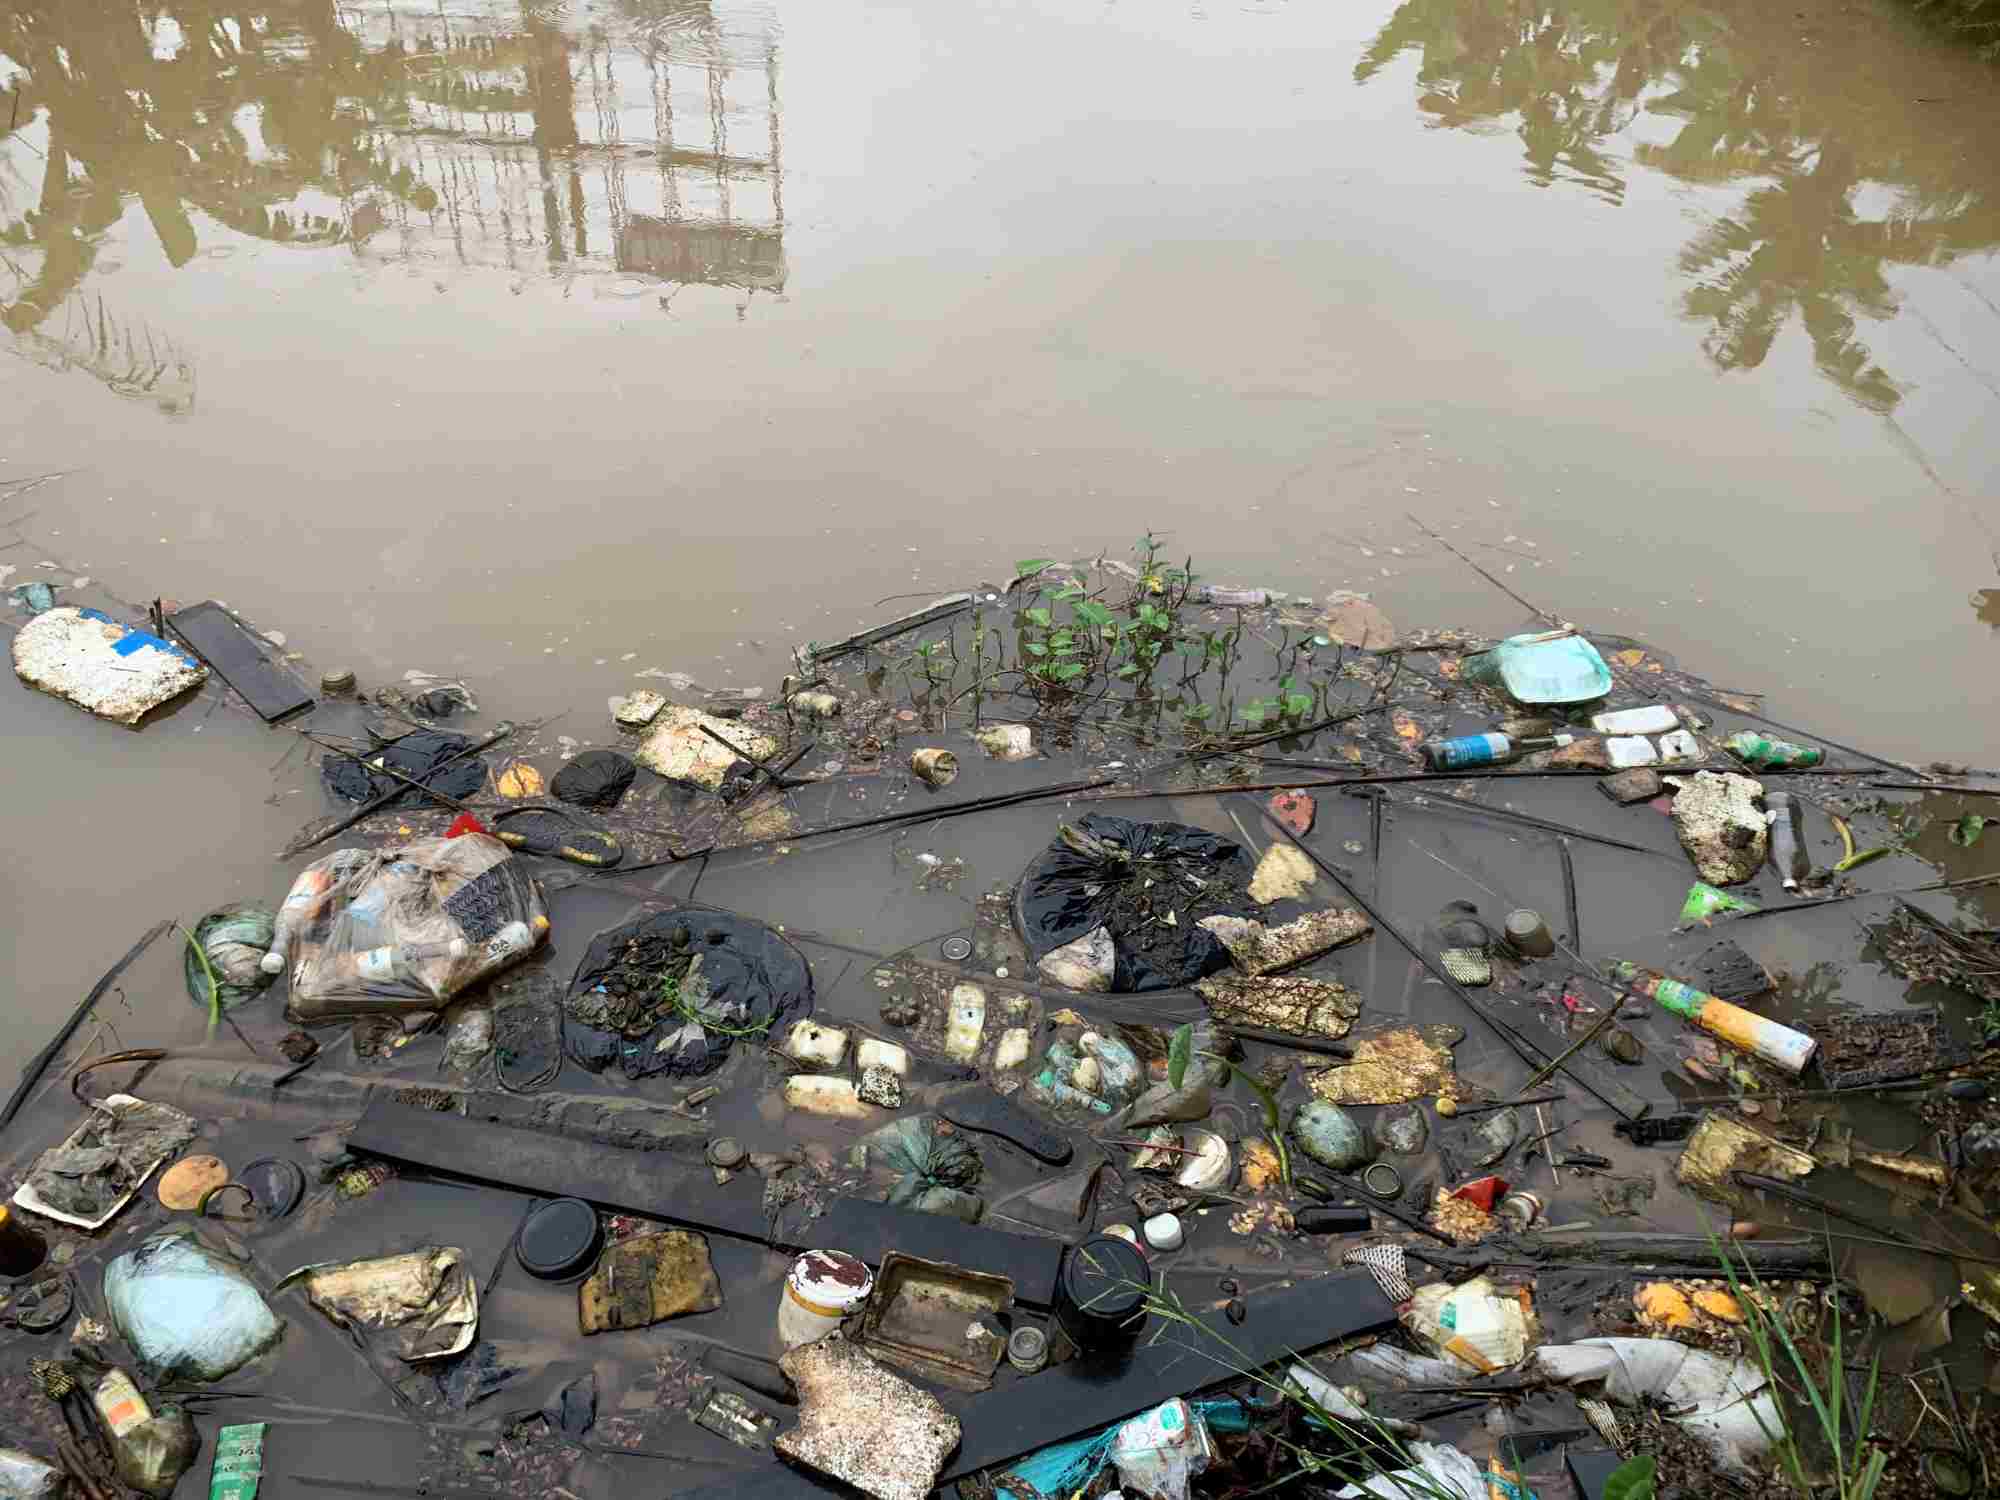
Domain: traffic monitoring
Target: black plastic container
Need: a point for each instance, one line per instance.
(1101, 1293)
(560, 1240)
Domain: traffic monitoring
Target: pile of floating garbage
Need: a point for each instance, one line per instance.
(1097, 1032)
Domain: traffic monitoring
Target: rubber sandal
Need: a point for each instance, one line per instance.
(979, 1108)
(558, 834)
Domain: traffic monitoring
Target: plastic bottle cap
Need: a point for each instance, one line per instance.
(340, 680)
(272, 962)
(726, 1151)
(1163, 1232)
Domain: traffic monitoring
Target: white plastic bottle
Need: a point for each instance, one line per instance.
(303, 902)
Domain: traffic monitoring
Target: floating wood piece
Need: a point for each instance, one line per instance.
(950, 604)
(241, 660)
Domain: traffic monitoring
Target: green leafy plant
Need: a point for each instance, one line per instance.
(688, 1007)
(1842, 1423)
(1631, 1480)
(208, 973)
(1989, 1018)
(1181, 1052)
(1368, 1446)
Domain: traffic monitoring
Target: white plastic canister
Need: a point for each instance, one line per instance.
(822, 1287)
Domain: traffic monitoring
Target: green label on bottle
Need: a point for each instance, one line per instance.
(1682, 999)
(239, 1462)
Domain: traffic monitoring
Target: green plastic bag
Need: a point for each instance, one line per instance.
(1705, 901)
(935, 1168)
(234, 940)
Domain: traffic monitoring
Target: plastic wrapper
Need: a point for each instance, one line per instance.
(1440, 1473)
(233, 940)
(1481, 1327)
(1726, 1403)
(1070, 891)
(408, 928)
(1159, 1452)
(674, 989)
(427, 1297)
(27, 1477)
(93, 1173)
(187, 1312)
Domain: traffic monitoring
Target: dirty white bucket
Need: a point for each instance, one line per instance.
(822, 1288)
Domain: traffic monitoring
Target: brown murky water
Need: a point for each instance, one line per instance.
(550, 343)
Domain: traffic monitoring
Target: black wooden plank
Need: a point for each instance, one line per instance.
(239, 659)
(653, 1184)
(662, 1185)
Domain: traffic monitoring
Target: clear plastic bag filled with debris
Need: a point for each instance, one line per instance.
(407, 928)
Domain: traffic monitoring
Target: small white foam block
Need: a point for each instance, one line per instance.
(1652, 718)
(1163, 1232)
(114, 671)
(1680, 745)
(1635, 750)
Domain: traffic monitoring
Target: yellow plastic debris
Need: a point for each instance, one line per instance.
(1663, 1305)
(1719, 1304)
(518, 779)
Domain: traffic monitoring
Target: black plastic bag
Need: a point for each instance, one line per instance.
(415, 755)
(634, 1003)
(1066, 894)
(596, 778)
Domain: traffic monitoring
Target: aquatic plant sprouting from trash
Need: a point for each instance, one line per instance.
(1376, 1453)
(208, 973)
(1180, 1052)
(1843, 1424)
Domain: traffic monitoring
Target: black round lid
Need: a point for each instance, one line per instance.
(275, 1185)
(1106, 1279)
(558, 1240)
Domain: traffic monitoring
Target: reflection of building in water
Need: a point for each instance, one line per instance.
(649, 146)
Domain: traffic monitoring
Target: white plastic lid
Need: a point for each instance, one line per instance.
(832, 1279)
(1163, 1232)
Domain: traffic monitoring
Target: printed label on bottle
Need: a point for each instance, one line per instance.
(1472, 750)
(376, 965)
(120, 1404)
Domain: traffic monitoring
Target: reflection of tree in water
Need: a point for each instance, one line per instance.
(400, 134)
(1574, 74)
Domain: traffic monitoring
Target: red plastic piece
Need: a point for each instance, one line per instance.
(1295, 810)
(465, 823)
(1483, 1192)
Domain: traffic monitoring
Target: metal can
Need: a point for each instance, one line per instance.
(1529, 934)
(823, 1287)
(1027, 1350)
(937, 767)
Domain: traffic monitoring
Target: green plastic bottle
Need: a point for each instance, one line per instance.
(1763, 753)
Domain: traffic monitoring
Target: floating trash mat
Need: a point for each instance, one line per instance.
(673, 990)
